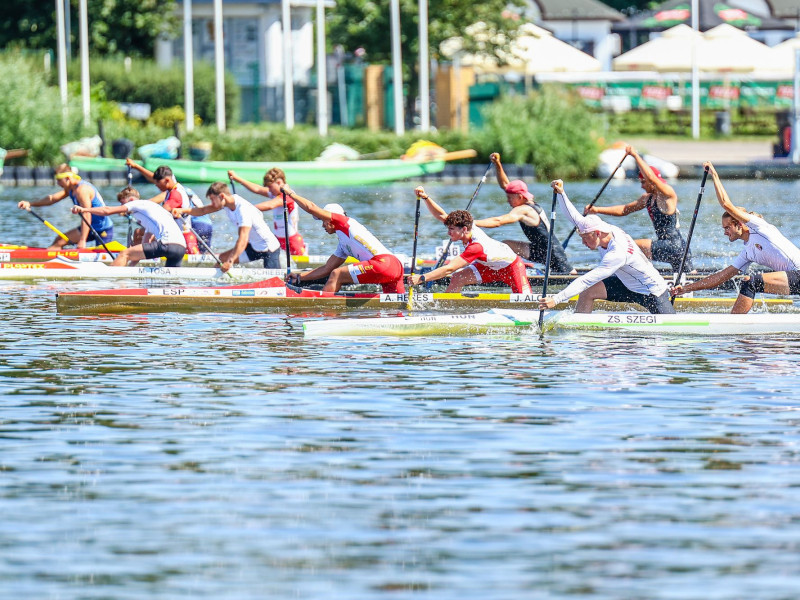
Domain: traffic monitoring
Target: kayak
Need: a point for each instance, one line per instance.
(62, 268)
(306, 173)
(526, 321)
(272, 294)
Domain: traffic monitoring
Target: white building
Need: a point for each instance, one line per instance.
(253, 48)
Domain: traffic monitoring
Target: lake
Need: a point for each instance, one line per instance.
(215, 456)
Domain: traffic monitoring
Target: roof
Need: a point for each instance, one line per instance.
(785, 9)
(577, 10)
(711, 13)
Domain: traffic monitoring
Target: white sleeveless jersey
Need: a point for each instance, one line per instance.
(622, 258)
(244, 214)
(767, 246)
(355, 240)
(156, 221)
(486, 251)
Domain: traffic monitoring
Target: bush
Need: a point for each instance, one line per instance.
(161, 88)
(31, 115)
(551, 129)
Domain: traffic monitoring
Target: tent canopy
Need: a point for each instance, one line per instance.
(534, 50)
(721, 49)
(711, 13)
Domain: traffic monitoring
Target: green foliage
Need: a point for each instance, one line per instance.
(115, 26)
(551, 129)
(663, 122)
(161, 88)
(31, 115)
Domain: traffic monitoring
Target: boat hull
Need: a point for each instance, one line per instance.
(509, 320)
(306, 173)
(272, 295)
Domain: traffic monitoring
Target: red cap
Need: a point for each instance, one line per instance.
(656, 172)
(518, 187)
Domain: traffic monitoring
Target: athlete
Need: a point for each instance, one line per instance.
(376, 264)
(175, 195)
(531, 218)
(661, 202)
(255, 239)
(624, 273)
(483, 259)
(162, 236)
(274, 180)
(82, 193)
(763, 245)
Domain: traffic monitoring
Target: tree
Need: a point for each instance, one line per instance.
(128, 27)
(366, 24)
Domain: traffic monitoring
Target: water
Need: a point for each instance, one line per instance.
(223, 456)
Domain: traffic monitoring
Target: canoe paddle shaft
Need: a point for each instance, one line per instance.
(691, 230)
(549, 256)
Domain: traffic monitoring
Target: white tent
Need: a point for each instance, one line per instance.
(535, 50)
(783, 57)
(721, 49)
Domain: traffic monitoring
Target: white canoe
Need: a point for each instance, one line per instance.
(61, 268)
(504, 321)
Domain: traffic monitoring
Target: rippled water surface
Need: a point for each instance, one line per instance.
(223, 456)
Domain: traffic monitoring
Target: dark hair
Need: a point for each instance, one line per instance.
(273, 175)
(161, 172)
(217, 188)
(459, 218)
(128, 192)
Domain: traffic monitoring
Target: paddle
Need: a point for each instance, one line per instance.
(286, 235)
(691, 230)
(130, 230)
(208, 249)
(410, 303)
(233, 185)
(96, 235)
(58, 232)
(547, 260)
(596, 198)
(443, 257)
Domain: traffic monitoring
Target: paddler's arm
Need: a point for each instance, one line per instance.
(436, 210)
(228, 257)
(722, 197)
(249, 185)
(618, 210)
(502, 178)
(270, 204)
(46, 201)
(195, 211)
(610, 264)
(148, 174)
(706, 283)
(566, 206)
(454, 265)
(513, 216)
(103, 211)
(663, 187)
(307, 205)
(334, 262)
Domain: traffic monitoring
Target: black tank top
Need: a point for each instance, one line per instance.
(537, 236)
(666, 226)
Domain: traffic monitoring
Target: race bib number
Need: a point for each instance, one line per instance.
(454, 250)
(5, 257)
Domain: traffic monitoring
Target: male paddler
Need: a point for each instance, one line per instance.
(274, 180)
(531, 218)
(376, 264)
(82, 193)
(763, 245)
(255, 239)
(483, 260)
(661, 202)
(624, 273)
(162, 236)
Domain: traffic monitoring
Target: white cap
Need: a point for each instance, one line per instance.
(593, 223)
(333, 208)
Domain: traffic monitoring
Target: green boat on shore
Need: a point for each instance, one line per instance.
(311, 173)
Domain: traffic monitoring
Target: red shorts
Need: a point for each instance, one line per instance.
(385, 269)
(513, 275)
(297, 247)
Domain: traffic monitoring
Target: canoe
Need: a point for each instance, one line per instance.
(62, 268)
(300, 173)
(272, 294)
(504, 321)
(22, 254)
